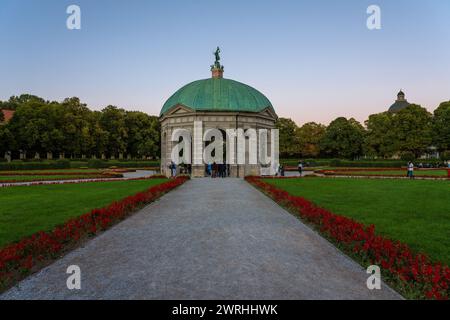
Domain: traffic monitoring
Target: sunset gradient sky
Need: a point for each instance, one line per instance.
(315, 60)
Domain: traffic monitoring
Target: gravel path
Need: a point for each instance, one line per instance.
(208, 239)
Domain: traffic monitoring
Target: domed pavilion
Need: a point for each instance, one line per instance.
(220, 104)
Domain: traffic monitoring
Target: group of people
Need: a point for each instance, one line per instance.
(173, 169)
(217, 170)
(281, 170)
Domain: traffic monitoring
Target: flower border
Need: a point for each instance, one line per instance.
(32, 253)
(411, 274)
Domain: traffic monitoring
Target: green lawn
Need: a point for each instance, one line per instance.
(416, 212)
(26, 210)
(437, 173)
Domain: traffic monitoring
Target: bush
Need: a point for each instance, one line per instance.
(97, 164)
(407, 156)
(445, 156)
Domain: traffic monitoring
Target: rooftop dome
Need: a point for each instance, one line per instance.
(399, 104)
(218, 94)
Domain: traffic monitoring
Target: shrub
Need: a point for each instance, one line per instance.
(445, 156)
(407, 156)
(97, 164)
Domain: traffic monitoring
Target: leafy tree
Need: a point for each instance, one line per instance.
(380, 138)
(441, 127)
(143, 134)
(343, 139)
(113, 121)
(16, 101)
(69, 127)
(308, 137)
(413, 129)
(7, 142)
(287, 142)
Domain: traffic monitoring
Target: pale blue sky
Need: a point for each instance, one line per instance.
(315, 60)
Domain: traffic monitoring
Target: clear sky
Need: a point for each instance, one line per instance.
(315, 60)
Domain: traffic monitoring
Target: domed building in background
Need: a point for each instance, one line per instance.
(399, 104)
(220, 104)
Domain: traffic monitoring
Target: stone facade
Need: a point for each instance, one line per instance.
(181, 117)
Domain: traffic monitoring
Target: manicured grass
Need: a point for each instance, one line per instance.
(26, 210)
(416, 212)
(437, 173)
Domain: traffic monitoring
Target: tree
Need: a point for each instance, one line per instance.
(287, 142)
(343, 139)
(69, 127)
(380, 138)
(7, 142)
(412, 127)
(308, 137)
(143, 134)
(113, 121)
(16, 101)
(441, 127)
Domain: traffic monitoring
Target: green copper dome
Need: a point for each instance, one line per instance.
(218, 94)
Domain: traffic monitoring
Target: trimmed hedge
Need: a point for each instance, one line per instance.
(67, 164)
(23, 165)
(97, 163)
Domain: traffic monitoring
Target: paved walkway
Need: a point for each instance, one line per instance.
(208, 239)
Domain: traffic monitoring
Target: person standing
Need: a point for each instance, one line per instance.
(411, 170)
(300, 168)
(209, 169)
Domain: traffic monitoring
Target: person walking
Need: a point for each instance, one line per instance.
(410, 170)
(214, 170)
(300, 167)
(173, 169)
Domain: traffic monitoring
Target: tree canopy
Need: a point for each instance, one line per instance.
(70, 127)
(441, 126)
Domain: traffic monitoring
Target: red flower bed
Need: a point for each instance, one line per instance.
(411, 273)
(31, 253)
(63, 181)
(51, 173)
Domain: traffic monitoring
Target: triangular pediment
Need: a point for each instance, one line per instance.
(179, 109)
(268, 112)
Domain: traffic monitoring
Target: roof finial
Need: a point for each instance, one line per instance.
(217, 68)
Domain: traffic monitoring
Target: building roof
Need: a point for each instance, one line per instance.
(218, 94)
(399, 105)
(8, 114)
